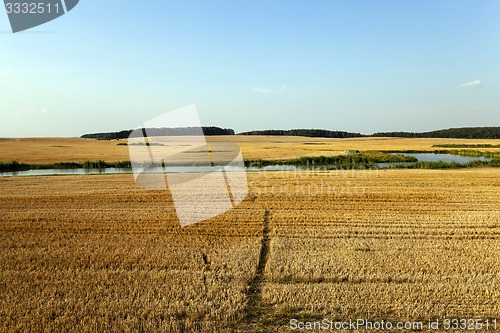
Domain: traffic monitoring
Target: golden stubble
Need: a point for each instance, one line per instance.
(97, 253)
(55, 150)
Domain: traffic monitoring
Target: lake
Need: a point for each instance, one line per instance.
(422, 157)
(448, 158)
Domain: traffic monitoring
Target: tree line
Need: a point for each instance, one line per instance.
(178, 131)
(455, 133)
(312, 133)
(451, 133)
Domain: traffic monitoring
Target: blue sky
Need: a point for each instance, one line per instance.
(360, 65)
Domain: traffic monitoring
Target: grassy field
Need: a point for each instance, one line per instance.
(96, 253)
(55, 150)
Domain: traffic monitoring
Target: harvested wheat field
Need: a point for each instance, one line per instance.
(55, 150)
(393, 245)
(97, 254)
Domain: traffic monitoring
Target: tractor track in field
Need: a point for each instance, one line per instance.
(256, 310)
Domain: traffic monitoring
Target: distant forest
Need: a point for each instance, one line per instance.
(312, 133)
(209, 130)
(456, 133)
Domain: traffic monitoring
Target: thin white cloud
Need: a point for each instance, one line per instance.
(34, 110)
(471, 84)
(265, 90)
(6, 72)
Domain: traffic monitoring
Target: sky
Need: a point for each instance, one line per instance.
(352, 65)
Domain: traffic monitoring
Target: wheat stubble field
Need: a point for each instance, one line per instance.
(95, 253)
(55, 150)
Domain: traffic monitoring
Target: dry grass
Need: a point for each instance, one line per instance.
(95, 253)
(54, 150)
(292, 147)
(407, 245)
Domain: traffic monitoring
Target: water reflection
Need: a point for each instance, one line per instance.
(422, 157)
